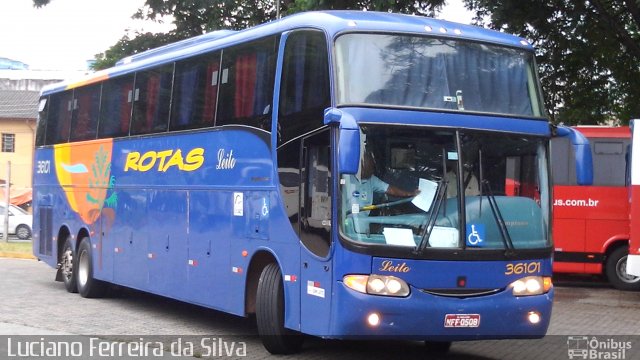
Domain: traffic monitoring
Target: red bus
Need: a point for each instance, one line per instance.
(591, 222)
(633, 265)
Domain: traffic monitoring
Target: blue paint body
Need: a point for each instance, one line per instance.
(176, 233)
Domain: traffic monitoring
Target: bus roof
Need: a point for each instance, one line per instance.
(605, 131)
(331, 22)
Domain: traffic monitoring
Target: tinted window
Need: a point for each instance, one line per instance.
(86, 107)
(609, 161)
(289, 173)
(246, 84)
(59, 121)
(152, 97)
(43, 110)
(195, 92)
(315, 209)
(117, 95)
(304, 92)
(563, 162)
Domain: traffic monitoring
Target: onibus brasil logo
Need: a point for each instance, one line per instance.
(585, 347)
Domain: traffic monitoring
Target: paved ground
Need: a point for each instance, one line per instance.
(31, 303)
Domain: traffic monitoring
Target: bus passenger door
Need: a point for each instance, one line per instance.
(315, 230)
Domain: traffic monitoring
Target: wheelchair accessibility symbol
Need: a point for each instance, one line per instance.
(475, 235)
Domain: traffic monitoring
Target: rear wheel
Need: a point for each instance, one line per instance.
(67, 266)
(616, 270)
(270, 314)
(23, 232)
(88, 287)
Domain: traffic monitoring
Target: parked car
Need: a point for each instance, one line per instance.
(20, 222)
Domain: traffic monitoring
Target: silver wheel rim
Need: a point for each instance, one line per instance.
(23, 233)
(67, 264)
(83, 268)
(621, 272)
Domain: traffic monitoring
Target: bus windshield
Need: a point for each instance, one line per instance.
(432, 73)
(503, 190)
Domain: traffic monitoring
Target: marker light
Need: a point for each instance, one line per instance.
(531, 285)
(377, 285)
(356, 282)
(533, 317)
(373, 319)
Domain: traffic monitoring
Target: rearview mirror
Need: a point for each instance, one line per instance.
(582, 150)
(348, 142)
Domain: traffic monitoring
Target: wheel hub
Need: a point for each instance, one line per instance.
(621, 270)
(67, 263)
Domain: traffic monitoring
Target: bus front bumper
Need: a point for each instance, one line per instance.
(424, 316)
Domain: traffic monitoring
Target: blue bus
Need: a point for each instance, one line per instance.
(340, 174)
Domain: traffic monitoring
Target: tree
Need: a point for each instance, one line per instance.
(196, 17)
(588, 53)
(127, 46)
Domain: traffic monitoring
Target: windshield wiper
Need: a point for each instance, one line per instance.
(433, 216)
(502, 225)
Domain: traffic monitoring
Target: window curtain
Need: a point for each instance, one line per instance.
(210, 93)
(245, 85)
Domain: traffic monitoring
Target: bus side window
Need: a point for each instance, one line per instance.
(315, 208)
(609, 161)
(43, 111)
(246, 84)
(195, 92)
(563, 165)
(151, 100)
(59, 120)
(290, 176)
(304, 91)
(115, 108)
(84, 121)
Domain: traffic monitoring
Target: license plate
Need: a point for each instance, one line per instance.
(462, 320)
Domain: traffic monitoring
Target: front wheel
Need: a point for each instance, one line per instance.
(616, 270)
(88, 287)
(67, 267)
(270, 314)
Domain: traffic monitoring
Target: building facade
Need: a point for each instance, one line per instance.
(18, 114)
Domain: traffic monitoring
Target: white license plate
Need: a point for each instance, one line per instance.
(462, 320)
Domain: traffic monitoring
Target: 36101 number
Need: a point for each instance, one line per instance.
(523, 268)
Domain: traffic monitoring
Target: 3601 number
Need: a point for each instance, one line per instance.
(43, 167)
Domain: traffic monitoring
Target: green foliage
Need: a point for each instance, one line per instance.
(588, 53)
(427, 8)
(196, 17)
(40, 3)
(21, 247)
(128, 46)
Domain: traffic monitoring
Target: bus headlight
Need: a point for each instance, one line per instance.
(531, 285)
(377, 285)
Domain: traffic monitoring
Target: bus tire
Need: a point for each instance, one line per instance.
(616, 270)
(88, 286)
(270, 314)
(67, 266)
